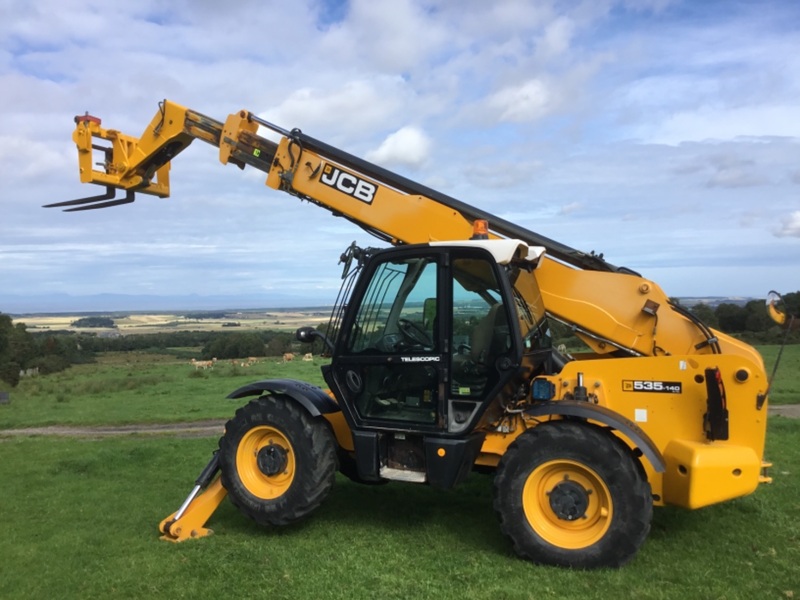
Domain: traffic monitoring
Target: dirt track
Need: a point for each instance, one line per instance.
(194, 429)
(211, 428)
(791, 411)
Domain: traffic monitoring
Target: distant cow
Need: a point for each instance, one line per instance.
(288, 357)
(308, 357)
(204, 364)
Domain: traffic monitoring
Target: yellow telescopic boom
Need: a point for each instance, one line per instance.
(612, 309)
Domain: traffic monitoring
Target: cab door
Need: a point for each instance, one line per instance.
(390, 359)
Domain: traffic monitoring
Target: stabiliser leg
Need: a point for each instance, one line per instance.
(189, 520)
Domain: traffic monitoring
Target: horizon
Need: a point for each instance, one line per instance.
(178, 305)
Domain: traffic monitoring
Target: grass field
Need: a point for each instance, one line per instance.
(81, 514)
(136, 387)
(786, 387)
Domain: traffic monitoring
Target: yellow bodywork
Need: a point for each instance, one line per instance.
(698, 472)
(638, 344)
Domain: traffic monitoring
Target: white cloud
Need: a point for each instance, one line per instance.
(396, 36)
(409, 146)
(556, 39)
(30, 159)
(352, 108)
(528, 101)
(790, 225)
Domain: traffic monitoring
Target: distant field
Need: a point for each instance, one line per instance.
(142, 323)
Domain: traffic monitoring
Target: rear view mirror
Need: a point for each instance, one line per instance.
(776, 308)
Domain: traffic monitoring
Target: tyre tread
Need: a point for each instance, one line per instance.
(313, 444)
(569, 439)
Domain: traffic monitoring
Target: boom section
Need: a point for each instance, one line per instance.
(375, 198)
(612, 309)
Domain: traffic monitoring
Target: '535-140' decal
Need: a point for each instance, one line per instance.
(644, 385)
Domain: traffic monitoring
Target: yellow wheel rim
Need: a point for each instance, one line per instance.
(567, 504)
(265, 462)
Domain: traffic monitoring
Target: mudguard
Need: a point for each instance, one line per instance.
(601, 414)
(313, 398)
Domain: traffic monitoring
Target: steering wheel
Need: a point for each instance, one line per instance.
(415, 333)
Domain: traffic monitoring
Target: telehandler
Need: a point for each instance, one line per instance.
(442, 362)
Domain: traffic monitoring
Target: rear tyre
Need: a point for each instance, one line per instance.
(572, 495)
(277, 462)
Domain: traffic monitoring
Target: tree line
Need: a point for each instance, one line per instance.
(52, 351)
(750, 321)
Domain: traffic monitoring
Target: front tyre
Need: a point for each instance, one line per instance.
(569, 494)
(277, 462)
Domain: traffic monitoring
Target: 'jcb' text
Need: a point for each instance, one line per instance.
(348, 183)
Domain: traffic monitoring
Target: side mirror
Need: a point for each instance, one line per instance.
(309, 334)
(306, 334)
(776, 309)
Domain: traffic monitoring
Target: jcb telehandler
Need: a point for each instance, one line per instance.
(442, 362)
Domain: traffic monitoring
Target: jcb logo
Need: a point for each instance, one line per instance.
(348, 183)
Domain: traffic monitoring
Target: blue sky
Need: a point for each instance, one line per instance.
(665, 134)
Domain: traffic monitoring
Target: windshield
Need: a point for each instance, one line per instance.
(394, 306)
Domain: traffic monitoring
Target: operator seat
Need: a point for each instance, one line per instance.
(488, 339)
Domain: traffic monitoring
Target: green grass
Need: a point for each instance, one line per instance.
(80, 515)
(786, 387)
(80, 520)
(135, 387)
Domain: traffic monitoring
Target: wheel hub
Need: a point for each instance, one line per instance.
(272, 459)
(569, 500)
